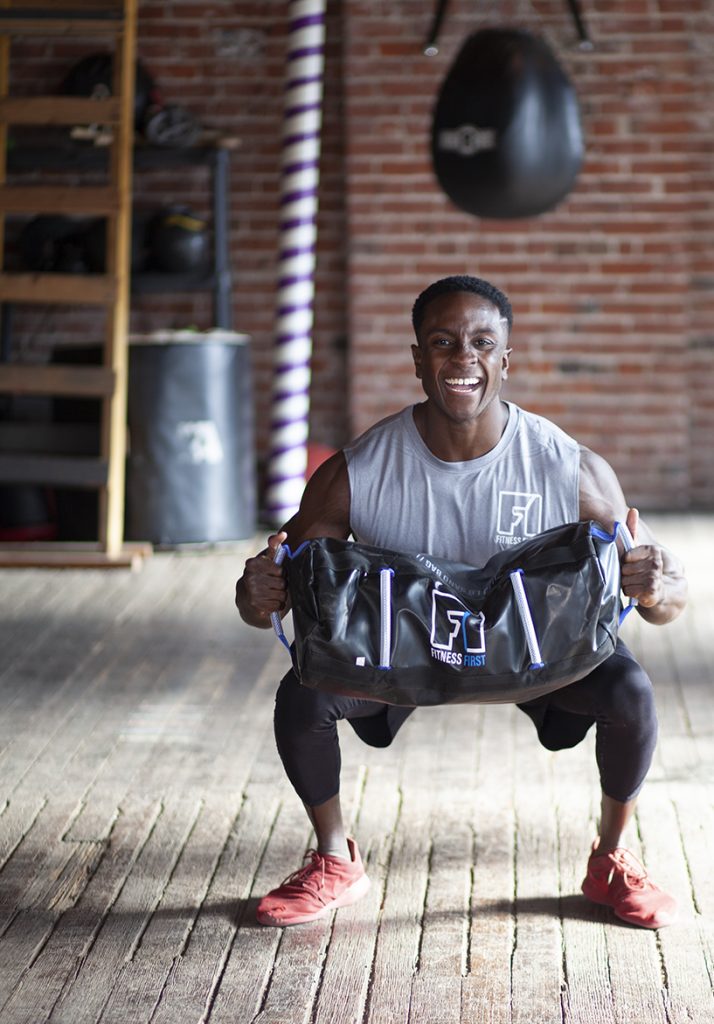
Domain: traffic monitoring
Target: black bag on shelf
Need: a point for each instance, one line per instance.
(414, 630)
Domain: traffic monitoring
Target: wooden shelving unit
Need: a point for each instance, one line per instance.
(65, 155)
(115, 24)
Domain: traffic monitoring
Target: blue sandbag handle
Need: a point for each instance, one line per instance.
(628, 543)
(276, 620)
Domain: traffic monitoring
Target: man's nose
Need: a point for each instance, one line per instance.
(465, 354)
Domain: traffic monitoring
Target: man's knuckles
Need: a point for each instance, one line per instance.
(266, 590)
(647, 587)
(644, 553)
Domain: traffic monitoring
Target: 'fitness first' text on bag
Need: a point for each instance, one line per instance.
(457, 634)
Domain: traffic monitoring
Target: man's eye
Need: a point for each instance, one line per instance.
(442, 341)
(484, 342)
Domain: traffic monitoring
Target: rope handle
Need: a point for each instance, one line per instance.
(385, 617)
(526, 617)
(275, 619)
(628, 543)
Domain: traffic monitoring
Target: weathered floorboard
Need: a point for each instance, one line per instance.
(64, 951)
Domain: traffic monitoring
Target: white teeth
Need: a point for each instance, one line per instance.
(461, 381)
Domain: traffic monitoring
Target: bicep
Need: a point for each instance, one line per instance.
(602, 499)
(601, 496)
(325, 506)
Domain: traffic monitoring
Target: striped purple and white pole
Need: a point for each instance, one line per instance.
(302, 121)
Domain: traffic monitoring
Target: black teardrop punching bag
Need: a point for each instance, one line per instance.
(506, 137)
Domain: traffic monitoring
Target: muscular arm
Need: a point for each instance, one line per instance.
(650, 572)
(324, 512)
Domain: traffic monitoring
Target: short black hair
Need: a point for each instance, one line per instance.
(461, 283)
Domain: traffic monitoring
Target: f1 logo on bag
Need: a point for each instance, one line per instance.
(519, 516)
(457, 634)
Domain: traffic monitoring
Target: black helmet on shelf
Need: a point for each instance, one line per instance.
(178, 241)
(92, 76)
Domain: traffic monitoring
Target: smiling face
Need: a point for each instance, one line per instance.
(462, 355)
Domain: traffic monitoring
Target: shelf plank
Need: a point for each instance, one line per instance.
(72, 556)
(49, 437)
(78, 381)
(65, 154)
(80, 200)
(103, 23)
(53, 470)
(156, 283)
(54, 110)
(72, 289)
(55, 8)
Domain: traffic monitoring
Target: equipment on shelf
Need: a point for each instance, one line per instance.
(171, 125)
(54, 243)
(178, 241)
(92, 76)
(173, 240)
(162, 124)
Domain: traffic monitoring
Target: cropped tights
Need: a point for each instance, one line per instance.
(616, 698)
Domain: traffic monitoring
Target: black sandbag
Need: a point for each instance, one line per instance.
(442, 632)
(506, 135)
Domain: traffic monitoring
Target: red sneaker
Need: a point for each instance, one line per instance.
(324, 884)
(618, 880)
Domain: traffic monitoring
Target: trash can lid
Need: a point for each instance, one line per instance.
(188, 337)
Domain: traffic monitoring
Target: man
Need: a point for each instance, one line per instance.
(459, 476)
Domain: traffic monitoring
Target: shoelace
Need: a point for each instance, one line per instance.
(304, 878)
(627, 869)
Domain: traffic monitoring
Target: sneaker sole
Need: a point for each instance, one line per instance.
(663, 922)
(355, 892)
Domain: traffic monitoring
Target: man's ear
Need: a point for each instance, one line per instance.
(505, 363)
(416, 356)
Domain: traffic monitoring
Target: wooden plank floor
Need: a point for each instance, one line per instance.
(143, 811)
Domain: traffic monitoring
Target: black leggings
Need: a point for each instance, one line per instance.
(617, 697)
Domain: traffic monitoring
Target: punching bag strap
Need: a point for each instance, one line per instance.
(430, 46)
(586, 42)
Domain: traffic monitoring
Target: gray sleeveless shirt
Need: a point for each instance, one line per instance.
(404, 498)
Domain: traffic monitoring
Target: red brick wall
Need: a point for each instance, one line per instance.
(701, 270)
(613, 291)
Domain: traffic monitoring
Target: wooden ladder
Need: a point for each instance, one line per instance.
(115, 23)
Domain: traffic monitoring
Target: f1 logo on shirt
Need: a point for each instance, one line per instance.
(519, 513)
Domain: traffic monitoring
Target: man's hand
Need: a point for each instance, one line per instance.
(261, 590)
(650, 572)
(642, 568)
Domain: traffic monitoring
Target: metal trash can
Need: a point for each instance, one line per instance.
(191, 463)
